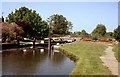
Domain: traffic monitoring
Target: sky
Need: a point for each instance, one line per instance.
(83, 15)
(119, 13)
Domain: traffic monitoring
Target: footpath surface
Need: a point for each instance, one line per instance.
(110, 61)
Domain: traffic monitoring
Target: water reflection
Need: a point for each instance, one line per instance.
(41, 50)
(36, 62)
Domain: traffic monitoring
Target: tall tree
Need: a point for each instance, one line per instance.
(59, 23)
(100, 30)
(116, 33)
(31, 18)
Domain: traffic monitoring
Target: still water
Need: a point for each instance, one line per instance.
(26, 61)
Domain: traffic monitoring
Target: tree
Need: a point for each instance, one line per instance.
(43, 30)
(59, 23)
(28, 18)
(28, 29)
(70, 26)
(108, 34)
(116, 33)
(11, 30)
(100, 30)
(83, 32)
(78, 33)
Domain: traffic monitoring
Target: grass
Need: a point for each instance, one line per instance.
(116, 50)
(88, 54)
(13, 42)
(25, 42)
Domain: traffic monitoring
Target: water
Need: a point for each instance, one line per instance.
(35, 62)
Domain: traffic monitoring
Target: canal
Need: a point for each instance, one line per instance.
(28, 61)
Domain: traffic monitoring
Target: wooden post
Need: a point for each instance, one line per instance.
(49, 44)
(49, 47)
(33, 42)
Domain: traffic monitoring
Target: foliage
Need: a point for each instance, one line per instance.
(100, 30)
(11, 30)
(59, 23)
(109, 34)
(110, 39)
(70, 26)
(94, 38)
(103, 40)
(28, 18)
(42, 30)
(28, 29)
(51, 32)
(77, 33)
(83, 32)
(116, 33)
(73, 33)
(56, 32)
(86, 39)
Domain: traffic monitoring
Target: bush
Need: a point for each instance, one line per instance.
(86, 39)
(8, 40)
(95, 38)
(110, 39)
(14, 41)
(103, 40)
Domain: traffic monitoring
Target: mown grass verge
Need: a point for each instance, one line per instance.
(116, 49)
(86, 58)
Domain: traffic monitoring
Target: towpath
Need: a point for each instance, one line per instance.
(110, 61)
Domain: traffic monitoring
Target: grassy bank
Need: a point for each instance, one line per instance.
(88, 54)
(116, 49)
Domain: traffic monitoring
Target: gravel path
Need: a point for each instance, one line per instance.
(110, 61)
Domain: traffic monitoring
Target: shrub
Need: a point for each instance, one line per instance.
(103, 40)
(95, 38)
(110, 39)
(8, 40)
(14, 41)
(86, 39)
